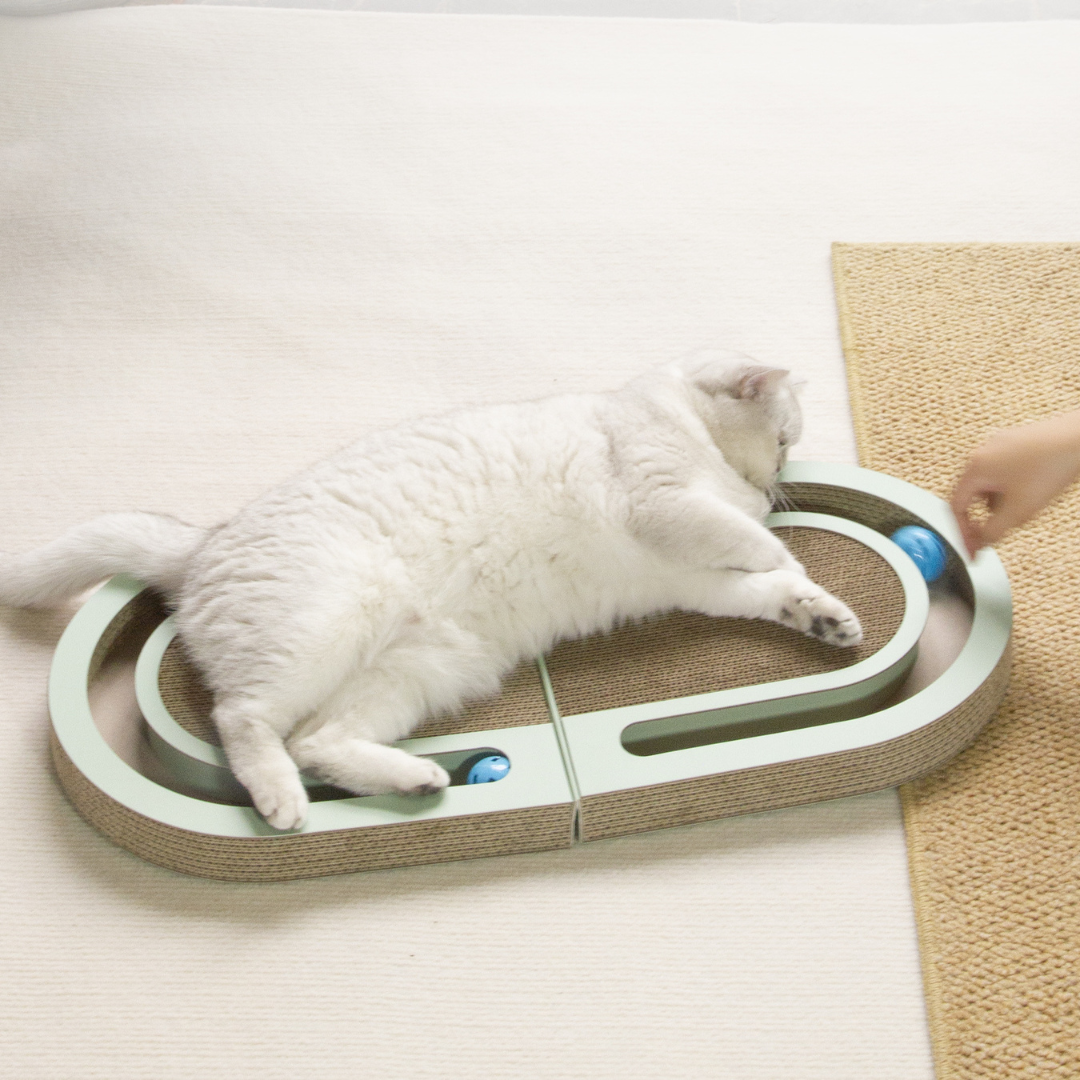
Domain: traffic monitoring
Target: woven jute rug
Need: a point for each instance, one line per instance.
(944, 344)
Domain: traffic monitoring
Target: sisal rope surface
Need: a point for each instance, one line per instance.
(944, 344)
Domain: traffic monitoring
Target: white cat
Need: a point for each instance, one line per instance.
(413, 570)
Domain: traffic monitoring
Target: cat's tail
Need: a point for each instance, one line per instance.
(152, 547)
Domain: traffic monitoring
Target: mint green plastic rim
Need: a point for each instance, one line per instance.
(204, 765)
(537, 777)
(153, 708)
(602, 764)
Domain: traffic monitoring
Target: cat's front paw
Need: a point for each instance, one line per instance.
(820, 615)
(421, 776)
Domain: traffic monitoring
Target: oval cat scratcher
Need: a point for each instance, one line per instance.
(677, 719)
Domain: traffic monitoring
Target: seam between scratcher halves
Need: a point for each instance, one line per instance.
(564, 746)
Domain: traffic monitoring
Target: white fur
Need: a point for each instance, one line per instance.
(413, 570)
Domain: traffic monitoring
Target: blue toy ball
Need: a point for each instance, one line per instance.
(488, 769)
(924, 547)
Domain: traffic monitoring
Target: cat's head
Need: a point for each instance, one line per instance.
(750, 409)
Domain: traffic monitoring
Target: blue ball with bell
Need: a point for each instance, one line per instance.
(489, 769)
(925, 548)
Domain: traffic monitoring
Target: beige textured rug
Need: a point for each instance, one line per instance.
(944, 344)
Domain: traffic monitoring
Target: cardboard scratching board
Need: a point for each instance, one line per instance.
(960, 340)
(678, 719)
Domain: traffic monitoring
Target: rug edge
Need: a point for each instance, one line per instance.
(849, 346)
(923, 927)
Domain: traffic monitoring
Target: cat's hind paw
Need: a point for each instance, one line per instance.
(283, 807)
(421, 777)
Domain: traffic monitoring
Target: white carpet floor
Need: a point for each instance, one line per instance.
(232, 240)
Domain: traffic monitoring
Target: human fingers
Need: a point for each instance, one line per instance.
(970, 489)
(1008, 506)
(1005, 511)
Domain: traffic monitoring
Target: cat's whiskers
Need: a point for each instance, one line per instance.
(778, 499)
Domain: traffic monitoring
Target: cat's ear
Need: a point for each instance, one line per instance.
(749, 382)
(758, 382)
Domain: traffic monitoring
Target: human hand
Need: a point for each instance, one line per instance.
(1018, 472)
